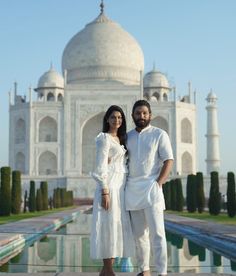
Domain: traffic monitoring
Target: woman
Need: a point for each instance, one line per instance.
(111, 234)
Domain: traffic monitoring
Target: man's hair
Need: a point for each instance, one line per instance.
(141, 103)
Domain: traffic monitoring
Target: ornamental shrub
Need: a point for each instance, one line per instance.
(231, 196)
(214, 203)
(32, 197)
(191, 193)
(44, 191)
(200, 192)
(179, 195)
(39, 203)
(16, 192)
(5, 194)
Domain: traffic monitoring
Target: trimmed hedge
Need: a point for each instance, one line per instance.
(16, 192)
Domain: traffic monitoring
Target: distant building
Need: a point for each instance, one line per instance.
(52, 138)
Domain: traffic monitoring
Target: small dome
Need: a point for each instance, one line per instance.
(155, 79)
(103, 51)
(51, 78)
(212, 95)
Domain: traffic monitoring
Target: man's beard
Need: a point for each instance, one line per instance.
(142, 123)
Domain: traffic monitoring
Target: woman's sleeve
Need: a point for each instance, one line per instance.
(101, 166)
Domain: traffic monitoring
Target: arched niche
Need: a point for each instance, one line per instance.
(187, 163)
(186, 131)
(50, 97)
(47, 164)
(161, 123)
(90, 130)
(48, 130)
(20, 131)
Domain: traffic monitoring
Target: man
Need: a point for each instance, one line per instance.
(150, 162)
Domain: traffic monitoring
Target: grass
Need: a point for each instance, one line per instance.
(12, 217)
(222, 218)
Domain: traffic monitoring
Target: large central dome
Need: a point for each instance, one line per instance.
(103, 51)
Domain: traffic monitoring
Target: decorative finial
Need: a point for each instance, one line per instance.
(102, 6)
(51, 66)
(154, 66)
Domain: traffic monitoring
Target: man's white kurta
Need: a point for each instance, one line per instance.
(147, 151)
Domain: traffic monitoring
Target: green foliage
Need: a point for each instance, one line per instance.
(167, 195)
(231, 196)
(44, 191)
(214, 202)
(5, 194)
(16, 192)
(191, 193)
(200, 192)
(32, 197)
(173, 195)
(179, 195)
(25, 201)
(39, 204)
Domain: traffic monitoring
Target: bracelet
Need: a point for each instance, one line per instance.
(105, 194)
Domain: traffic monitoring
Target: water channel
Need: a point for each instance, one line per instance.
(67, 250)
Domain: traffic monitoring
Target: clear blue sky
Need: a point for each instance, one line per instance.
(189, 40)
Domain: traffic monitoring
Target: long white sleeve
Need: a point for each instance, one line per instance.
(102, 150)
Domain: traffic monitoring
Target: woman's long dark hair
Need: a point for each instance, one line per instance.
(121, 133)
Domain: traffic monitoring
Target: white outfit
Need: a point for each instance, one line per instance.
(111, 233)
(144, 198)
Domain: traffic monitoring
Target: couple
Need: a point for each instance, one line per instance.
(129, 207)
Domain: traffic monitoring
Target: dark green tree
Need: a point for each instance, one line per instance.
(44, 191)
(214, 203)
(32, 197)
(173, 192)
(231, 196)
(191, 199)
(16, 192)
(5, 194)
(167, 195)
(39, 204)
(25, 201)
(179, 195)
(200, 192)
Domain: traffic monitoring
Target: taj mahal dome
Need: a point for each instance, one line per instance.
(52, 138)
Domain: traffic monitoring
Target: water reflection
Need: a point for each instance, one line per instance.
(68, 249)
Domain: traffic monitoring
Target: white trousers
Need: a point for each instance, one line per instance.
(148, 226)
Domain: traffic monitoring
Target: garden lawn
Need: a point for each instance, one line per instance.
(221, 218)
(13, 217)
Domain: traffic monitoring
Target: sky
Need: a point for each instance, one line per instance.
(188, 40)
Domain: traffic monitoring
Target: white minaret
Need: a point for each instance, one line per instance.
(213, 148)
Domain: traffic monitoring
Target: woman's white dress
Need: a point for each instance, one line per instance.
(111, 234)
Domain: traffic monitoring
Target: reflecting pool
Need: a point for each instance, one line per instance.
(67, 250)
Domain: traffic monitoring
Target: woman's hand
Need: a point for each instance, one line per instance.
(105, 201)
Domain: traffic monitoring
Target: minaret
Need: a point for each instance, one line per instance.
(213, 148)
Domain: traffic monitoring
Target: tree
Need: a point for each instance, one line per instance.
(39, 200)
(191, 193)
(25, 201)
(173, 194)
(44, 190)
(200, 192)
(214, 202)
(231, 196)
(167, 195)
(32, 198)
(16, 192)
(5, 199)
(179, 195)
